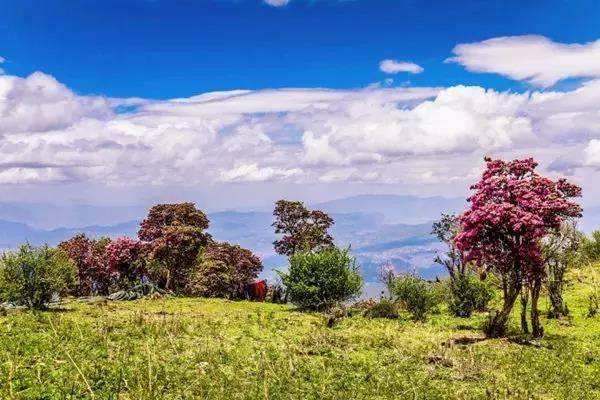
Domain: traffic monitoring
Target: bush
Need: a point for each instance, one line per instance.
(384, 308)
(419, 297)
(31, 276)
(320, 280)
(590, 247)
(467, 294)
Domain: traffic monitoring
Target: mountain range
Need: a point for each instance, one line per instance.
(378, 228)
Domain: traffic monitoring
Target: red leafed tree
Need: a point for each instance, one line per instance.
(94, 275)
(302, 229)
(512, 209)
(175, 234)
(224, 271)
(125, 256)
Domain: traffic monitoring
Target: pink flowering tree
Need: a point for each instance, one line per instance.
(125, 257)
(94, 275)
(512, 210)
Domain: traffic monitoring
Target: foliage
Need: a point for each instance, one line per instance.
(418, 296)
(94, 275)
(446, 230)
(302, 229)
(224, 271)
(512, 209)
(175, 235)
(31, 276)
(590, 247)
(384, 308)
(318, 280)
(468, 293)
(125, 256)
(560, 251)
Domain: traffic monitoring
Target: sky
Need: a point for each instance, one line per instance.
(235, 103)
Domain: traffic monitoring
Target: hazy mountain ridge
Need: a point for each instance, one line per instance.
(379, 228)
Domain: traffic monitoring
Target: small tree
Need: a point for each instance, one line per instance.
(31, 276)
(319, 280)
(446, 230)
(175, 235)
(467, 292)
(224, 270)
(386, 274)
(512, 209)
(560, 250)
(302, 229)
(94, 274)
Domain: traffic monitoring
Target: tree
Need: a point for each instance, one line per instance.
(446, 230)
(224, 271)
(175, 235)
(32, 276)
(512, 209)
(319, 280)
(467, 291)
(560, 250)
(125, 256)
(303, 229)
(94, 275)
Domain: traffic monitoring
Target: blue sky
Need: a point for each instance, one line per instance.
(239, 103)
(165, 49)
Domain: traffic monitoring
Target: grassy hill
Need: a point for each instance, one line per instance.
(216, 349)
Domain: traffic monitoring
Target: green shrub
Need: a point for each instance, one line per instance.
(31, 276)
(590, 247)
(319, 280)
(418, 296)
(384, 308)
(467, 294)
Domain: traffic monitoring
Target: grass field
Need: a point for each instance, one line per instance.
(215, 349)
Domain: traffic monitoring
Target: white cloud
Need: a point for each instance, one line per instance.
(2, 61)
(254, 173)
(535, 59)
(380, 134)
(277, 3)
(393, 67)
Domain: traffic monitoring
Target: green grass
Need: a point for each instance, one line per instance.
(215, 349)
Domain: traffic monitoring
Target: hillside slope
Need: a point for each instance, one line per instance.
(215, 349)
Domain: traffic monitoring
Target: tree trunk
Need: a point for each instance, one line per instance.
(498, 323)
(558, 307)
(536, 327)
(524, 301)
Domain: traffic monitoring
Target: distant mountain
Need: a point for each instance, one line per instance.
(394, 208)
(12, 234)
(378, 228)
(51, 216)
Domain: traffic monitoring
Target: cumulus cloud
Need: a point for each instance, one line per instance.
(277, 3)
(531, 58)
(393, 67)
(376, 134)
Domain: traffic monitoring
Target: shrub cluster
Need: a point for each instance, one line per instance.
(418, 296)
(468, 293)
(32, 276)
(319, 280)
